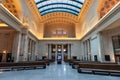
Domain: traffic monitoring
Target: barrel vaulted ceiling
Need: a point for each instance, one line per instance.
(59, 13)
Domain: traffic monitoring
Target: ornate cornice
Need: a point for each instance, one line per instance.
(86, 6)
(31, 5)
(59, 17)
(7, 17)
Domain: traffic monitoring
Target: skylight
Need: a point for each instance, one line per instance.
(68, 6)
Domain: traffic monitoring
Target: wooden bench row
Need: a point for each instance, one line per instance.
(75, 64)
(72, 61)
(23, 65)
(99, 68)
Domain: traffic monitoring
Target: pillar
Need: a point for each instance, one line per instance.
(30, 50)
(62, 51)
(85, 50)
(36, 50)
(49, 51)
(22, 48)
(69, 51)
(89, 51)
(101, 47)
(82, 51)
(33, 51)
(56, 51)
(16, 47)
(24, 45)
(25, 48)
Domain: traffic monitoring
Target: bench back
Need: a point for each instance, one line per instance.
(100, 66)
(22, 64)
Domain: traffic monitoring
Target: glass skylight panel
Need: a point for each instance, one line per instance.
(56, 6)
(58, 10)
(72, 6)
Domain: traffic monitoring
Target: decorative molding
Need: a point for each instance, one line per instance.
(108, 17)
(86, 6)
(61, 16)
(7, 17)
(105, 6)
(14, 7)
(31, 5)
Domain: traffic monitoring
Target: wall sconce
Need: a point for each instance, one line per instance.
(4, 51)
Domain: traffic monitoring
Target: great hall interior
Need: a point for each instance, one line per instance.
(66, 38)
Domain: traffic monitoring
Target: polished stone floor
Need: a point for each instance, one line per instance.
(53, 72)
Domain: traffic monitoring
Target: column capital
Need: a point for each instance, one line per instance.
(25, 31)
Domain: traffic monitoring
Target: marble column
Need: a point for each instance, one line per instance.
(87, 44)
(22, 47)
(16, 46)
(26, 48)
(62, 51)
(69, 49)
(30, 50)
(32, 46)
(85, 50)
(36, 50)
(101, 47)
(49, 51)
(56, 52)
(89, 51)
(33, 51)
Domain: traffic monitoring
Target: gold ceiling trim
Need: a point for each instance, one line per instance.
(59, 20)
(60, 15)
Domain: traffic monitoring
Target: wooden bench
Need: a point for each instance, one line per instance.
(73, 60)
(67, 60)
(75, 64)
(47, 61)
(99, 68)
(23, 65)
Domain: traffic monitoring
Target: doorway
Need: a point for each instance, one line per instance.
(60, 49)
(116, 47)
